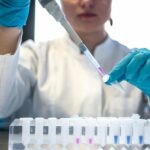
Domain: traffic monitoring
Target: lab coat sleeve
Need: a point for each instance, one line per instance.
(16, 79)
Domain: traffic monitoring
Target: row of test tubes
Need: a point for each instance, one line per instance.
(79, 133)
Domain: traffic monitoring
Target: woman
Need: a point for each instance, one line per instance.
(53, 79)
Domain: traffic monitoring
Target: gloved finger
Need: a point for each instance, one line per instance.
(14, 13)
(136, 63)
(118, 71)
(145, 88)
(17, 3)
(121, 78)
(145, 50)
(145, 71)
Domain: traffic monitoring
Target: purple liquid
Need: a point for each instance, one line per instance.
(77, 141)
(90, 141)
(101, 71)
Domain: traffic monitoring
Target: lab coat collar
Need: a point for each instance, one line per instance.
(106, 44)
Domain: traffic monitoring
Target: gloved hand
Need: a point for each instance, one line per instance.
(14, 13)
(134, 68)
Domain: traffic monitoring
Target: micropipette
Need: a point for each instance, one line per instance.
(53, 9)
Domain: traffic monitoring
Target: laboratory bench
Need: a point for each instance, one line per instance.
(4, 139)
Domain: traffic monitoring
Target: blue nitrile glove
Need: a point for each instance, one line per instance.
(134, 68)
(14, 13)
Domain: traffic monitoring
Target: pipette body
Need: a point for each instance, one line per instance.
(53, 8)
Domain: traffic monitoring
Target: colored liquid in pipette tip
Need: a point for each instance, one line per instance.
(101, 71)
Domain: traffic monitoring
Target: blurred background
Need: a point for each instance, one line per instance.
(131, 23)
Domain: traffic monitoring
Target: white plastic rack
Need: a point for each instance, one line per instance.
(80, 133)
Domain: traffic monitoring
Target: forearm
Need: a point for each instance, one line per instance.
(15, 81)
(8, 40)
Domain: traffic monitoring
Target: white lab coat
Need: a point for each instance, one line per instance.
(53, 79)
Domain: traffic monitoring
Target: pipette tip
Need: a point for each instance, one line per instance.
(106, 78)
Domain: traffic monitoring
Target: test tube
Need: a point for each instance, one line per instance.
(146, 143)
(64, 132)
(102, 126)
(39, 123)
(77, 132)
(125, 133)
(15, 135)
(52, 122)
(26, 122)
(45, 145)
(90, 130)
(138, 133)
(114, 132)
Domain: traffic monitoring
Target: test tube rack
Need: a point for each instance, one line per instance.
(79, 133)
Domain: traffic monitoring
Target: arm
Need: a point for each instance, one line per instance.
(134, 68)
(8, 40)
(17, 80)
(13, 15)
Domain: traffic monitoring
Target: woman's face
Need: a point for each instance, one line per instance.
(87, 15)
